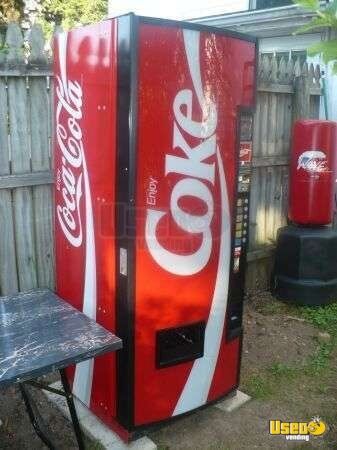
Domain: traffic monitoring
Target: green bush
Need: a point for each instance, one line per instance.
(324, 18)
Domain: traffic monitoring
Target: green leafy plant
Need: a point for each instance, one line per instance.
(4, 49)
(324, 18)
(324, 317)
(11, 10)
(70, 13)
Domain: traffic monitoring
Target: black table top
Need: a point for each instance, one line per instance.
(40, 333)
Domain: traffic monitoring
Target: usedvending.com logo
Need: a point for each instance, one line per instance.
(313, 161)
(297, 431)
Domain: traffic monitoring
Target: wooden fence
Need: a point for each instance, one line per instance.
(26, 238)
(285, 91)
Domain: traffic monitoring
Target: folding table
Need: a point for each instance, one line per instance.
(41, 333)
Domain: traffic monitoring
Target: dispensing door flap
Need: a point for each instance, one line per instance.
(177, 345)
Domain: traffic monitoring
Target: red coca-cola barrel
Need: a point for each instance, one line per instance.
(313, 156)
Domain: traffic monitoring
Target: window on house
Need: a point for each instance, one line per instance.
(265, 4)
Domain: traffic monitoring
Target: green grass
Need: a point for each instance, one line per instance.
(93, 445)
(259, 387)
(272, 381)
(323, 317)
(321, 359)
(281, 370)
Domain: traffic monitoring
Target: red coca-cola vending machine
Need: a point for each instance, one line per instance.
(151, 209)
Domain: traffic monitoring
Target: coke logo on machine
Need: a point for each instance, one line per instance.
(73, 189)
(244, 151)
(198, 175)
(313, 161)
(69, 139)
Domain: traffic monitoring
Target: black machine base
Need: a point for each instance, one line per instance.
(305, 270)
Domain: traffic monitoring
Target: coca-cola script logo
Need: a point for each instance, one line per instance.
(244, 151)
(198, 174)
(69, 139)
(313, 161)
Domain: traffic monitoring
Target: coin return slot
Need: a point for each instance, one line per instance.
(178, 345)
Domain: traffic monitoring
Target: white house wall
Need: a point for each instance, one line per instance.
(303, 42)
(175, 9)
(331, 82)
(287, 43)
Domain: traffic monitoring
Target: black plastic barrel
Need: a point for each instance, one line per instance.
(305, 270)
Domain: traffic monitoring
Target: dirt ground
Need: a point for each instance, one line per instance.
(16, 431)
(286, 368)
(284, 372)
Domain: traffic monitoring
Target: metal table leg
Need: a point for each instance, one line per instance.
(36, 418)
(72, 409)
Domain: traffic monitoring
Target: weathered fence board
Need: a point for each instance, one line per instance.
(40, 161)
(25, 179)
(8, 268)
(4, 153)
(21, 163)
(25, 239)
(26, 248)
(285, 90)
(8, 272)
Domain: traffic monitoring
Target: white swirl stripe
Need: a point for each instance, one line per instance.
(69, 214)
(196, 389)
(84, 371)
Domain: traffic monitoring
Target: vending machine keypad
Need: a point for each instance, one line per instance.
(240, 226)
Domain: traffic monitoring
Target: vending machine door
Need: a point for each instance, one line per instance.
(186, 90)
